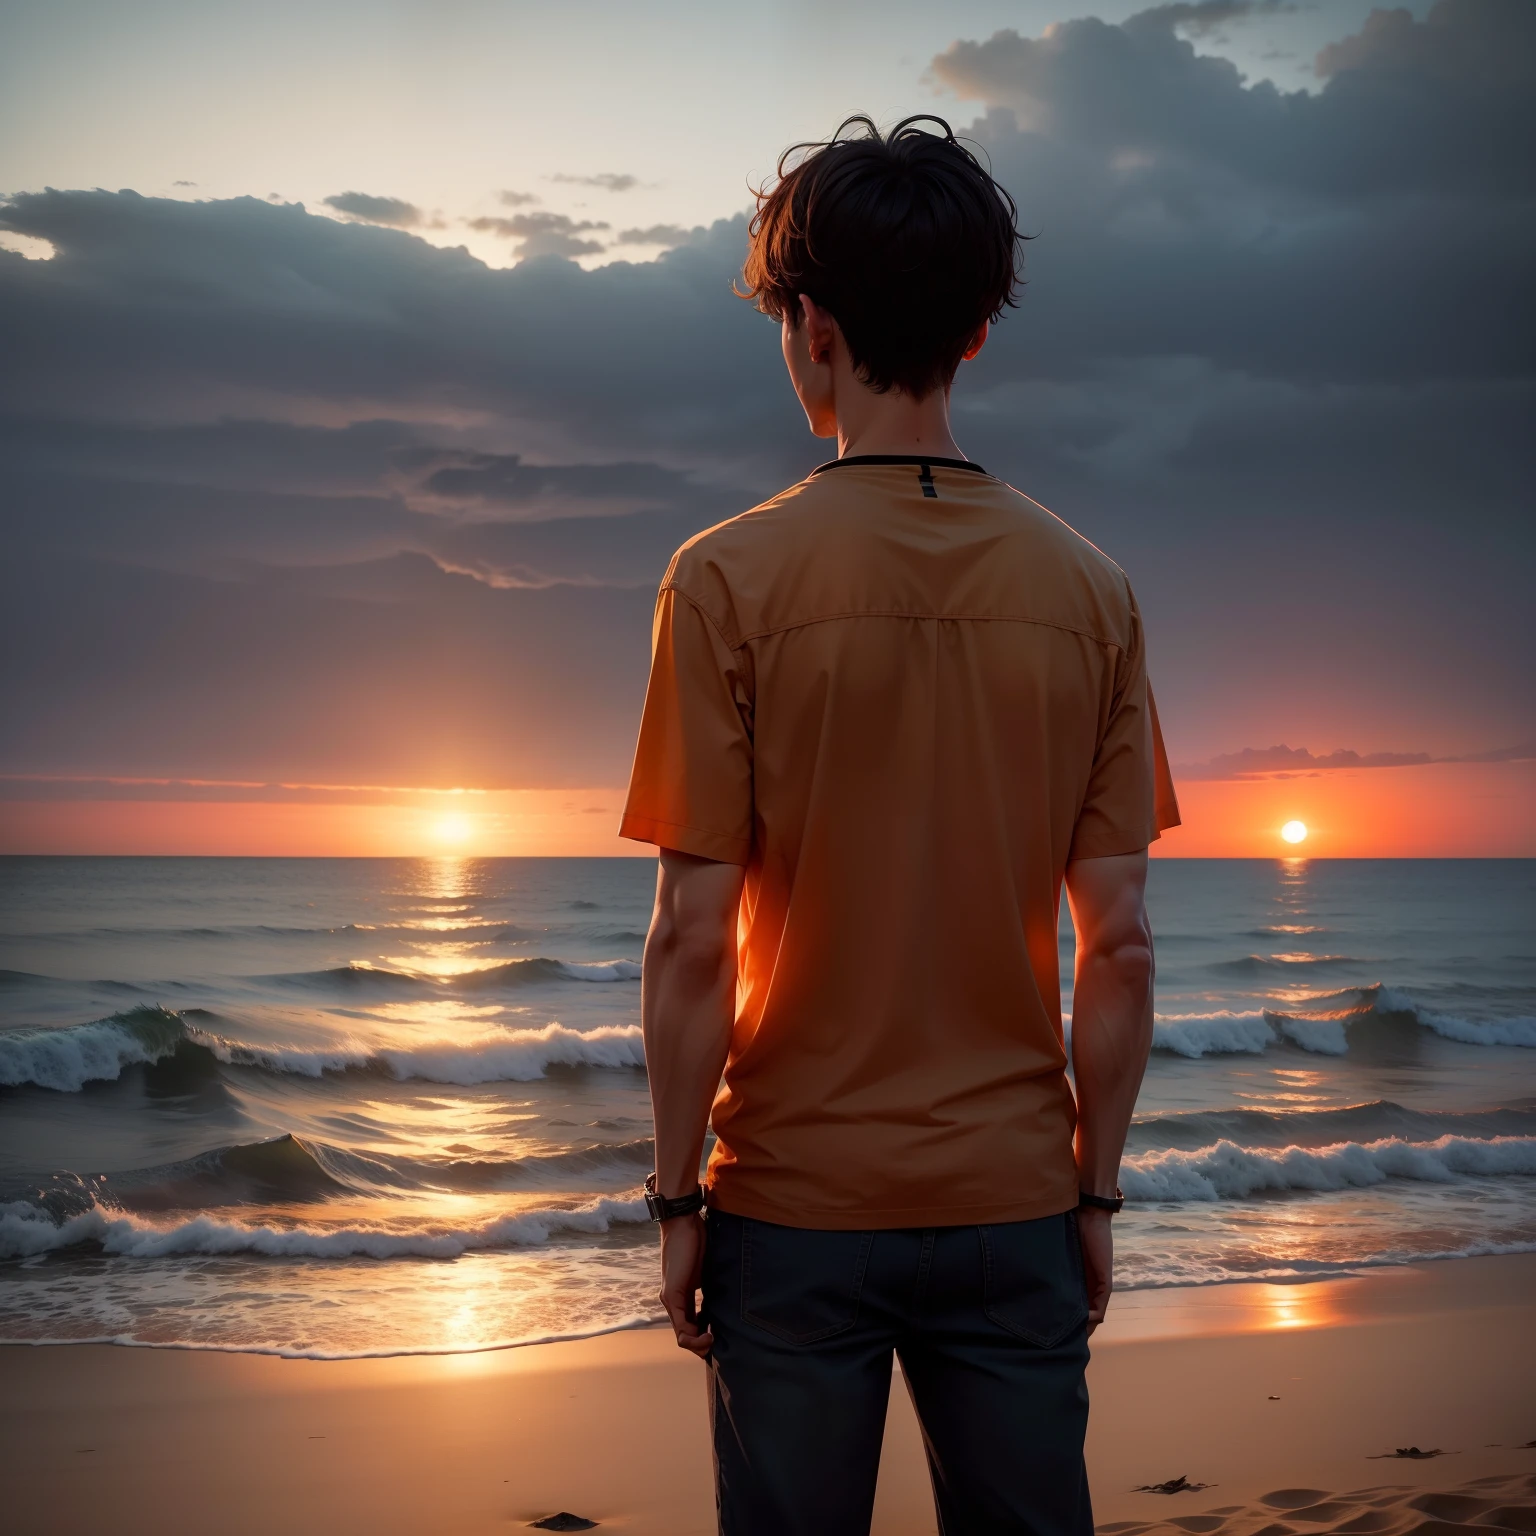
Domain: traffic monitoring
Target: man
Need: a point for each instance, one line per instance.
(890, 712)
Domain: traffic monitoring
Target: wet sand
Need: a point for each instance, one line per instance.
(1276, 1396)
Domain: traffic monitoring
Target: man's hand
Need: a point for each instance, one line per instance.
(687, 1004)
(1098, 1244)
(1111, 1035)
(682, 1262)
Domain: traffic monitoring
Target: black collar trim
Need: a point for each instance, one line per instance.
(899, 458)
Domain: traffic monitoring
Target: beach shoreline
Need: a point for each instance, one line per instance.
(1255, 1390)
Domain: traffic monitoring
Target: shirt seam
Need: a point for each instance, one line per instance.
(686, 826)
(710, 619)
(903, 613)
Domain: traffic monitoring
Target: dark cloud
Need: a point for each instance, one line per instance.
(278, 487)
(604, 181)
(484, 484)
(1444, 106)
(364, 206)
(544, 234)
(1290, 762)
(1293, 760)
(1201, 18)
(667, 235)
(516, 199)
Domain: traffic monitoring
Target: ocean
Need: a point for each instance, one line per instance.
(348, 1107)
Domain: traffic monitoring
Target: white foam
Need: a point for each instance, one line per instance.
(1160, 1271)
(286, 1352)
(1324, 1037)
(600, 970)
(67, 1059)
(1213, 1034)
(26, 1232)
(512, 1055)
(1226, 1033)
(1516, 1031)
(1227, 1171)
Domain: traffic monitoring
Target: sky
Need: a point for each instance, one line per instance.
(363, 365)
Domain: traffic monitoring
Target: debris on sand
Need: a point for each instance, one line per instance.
(1179, 1484)
(1409, 1453)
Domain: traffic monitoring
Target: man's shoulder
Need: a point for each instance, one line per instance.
(748, 536)
(822, 546)
(715, 566)
(1040, 529)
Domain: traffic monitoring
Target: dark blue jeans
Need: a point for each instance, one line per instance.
(990, 1326)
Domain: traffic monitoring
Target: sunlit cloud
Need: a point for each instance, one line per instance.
(368, 209)
(604, 181)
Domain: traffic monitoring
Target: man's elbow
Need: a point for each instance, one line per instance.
(694, 955)
(1127, 965)
(1134, 966)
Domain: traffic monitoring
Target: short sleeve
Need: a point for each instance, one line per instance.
(1130, 799)
(691, 786)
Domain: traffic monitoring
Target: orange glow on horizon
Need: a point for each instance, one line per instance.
(1426, 811)
(1434, 810)
(506, 823)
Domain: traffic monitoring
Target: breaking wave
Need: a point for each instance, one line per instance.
(536, 970)
(505, 1056)
(1227, 1171)
(66, 1059)
(1374, 1121)
(26, 1232)
(1321, 1024)
(300, 1170)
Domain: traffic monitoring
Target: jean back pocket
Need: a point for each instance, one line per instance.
(801, 1284)
(1033, 1278)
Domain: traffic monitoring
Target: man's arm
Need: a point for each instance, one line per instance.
(687, 1006)
(1111, 1037)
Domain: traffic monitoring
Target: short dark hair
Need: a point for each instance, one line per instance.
(904, 238)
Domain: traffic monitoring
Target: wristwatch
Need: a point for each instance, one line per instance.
(663, 1209)
(1101, 1202)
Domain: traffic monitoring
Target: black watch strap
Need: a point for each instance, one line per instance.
(1101, 1202)
(663, 1209)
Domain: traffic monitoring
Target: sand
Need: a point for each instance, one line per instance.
(1275, 1396)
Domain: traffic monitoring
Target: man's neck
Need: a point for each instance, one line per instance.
(893, 423)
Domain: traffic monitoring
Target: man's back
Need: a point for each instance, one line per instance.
(904, 702)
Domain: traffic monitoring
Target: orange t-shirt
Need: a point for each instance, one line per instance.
(904, 707)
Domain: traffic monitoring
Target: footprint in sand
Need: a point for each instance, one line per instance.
(1488, 1506)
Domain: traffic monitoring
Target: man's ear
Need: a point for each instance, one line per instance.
(820, 328)
(978, 341)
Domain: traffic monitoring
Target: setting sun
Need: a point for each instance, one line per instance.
(1294, 831)
(453, 829)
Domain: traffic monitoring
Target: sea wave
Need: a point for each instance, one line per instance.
(298, 1169)
(1513, 1031)
(66, 1059)
(26, 1232)
(535, 970)
(1229, 1034)
(1227, 1171)
(1376, 1120)
(511, 1055)
(1320, 1024)
(1161, 1271)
